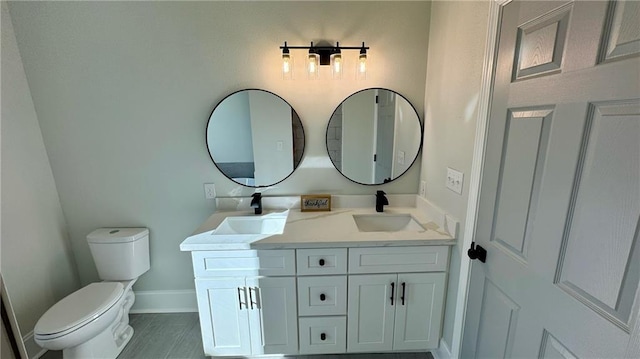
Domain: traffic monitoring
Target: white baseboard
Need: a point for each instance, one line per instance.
(165, 301)
(34, 351)
(443, 351)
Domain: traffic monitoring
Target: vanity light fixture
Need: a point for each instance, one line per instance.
(324, 55)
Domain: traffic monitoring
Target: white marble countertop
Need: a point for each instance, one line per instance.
(335, 228)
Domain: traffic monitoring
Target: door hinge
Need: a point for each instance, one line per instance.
(375, 157)
(377, 98)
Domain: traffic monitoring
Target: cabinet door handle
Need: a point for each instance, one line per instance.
(257, 301)
(403, 290)
(323, 297)
(321, 262)
(393, 286)
(323, 336)
(242, 290)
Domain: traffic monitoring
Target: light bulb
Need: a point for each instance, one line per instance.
(312, 66)
(286, 63)
(336, 66)
(362, 63)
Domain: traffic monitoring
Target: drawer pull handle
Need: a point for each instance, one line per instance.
(323, 297)
(321, 262)
(393, 286)
(323, 337)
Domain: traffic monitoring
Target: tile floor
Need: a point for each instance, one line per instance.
(177, 336)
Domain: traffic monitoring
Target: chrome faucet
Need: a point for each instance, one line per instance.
(256, 203)
(381, 201)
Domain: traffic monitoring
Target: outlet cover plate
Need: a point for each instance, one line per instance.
(454, 180)
(209, 191)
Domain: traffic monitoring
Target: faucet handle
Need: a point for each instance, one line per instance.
(380, 193)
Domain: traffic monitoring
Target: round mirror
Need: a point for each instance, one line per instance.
(374, 136)
(255, 138)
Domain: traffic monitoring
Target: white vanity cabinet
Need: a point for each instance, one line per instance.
(250, 314)
(320, 300)
(401, 307)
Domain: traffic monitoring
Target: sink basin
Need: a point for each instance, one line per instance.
(251, 225)
(247, 229)
(386, 223)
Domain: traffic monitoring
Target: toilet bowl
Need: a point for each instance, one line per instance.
(93, 322)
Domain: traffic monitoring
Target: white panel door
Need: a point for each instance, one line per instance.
(370, 309)
(418, 311)
(224, 316)
(274, 318)
(559, 204)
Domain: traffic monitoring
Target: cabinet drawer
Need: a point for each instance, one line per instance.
(322, 295)
(312, 340)
(398, 259)
(243, 263)
(322, 261)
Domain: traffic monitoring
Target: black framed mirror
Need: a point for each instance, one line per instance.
(374, 136)
(255, 138)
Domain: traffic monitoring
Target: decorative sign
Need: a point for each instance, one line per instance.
(315, 202)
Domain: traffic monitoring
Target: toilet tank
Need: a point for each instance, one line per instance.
(120, 253)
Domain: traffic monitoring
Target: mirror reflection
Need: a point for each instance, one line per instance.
(255, 138)
(374, 136)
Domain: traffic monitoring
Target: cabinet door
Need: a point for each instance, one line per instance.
(419, 311)
(370, 312)
(274, 318)
(224, 317)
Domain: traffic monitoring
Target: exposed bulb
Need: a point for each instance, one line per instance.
(362, 64)
(313, 65)
(286, 64)
(337, 63)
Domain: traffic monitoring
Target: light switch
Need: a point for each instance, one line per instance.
(401, 157)
(454, 180)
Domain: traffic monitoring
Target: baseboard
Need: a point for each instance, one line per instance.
(443, 351)
(34, 351)
(165, 301)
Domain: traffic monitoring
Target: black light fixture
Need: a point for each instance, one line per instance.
(323, 55)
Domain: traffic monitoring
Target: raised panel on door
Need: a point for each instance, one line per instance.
(224, 317)
(274, 320)
(418, 311)
(370, 312)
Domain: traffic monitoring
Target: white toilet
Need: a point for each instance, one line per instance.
(93, 322)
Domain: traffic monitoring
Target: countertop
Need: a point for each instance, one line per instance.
(335, 228)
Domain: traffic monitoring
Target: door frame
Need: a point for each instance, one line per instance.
(477, 166)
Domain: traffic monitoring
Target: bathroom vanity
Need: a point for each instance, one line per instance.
(346, 281)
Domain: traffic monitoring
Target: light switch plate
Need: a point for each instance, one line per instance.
(454, 180)
(209, 191)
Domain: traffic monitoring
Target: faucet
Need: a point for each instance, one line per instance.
(381, 200)
(256, 202)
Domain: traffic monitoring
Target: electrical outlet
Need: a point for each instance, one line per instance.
(209, 191)
(454, 180)
(423, 188)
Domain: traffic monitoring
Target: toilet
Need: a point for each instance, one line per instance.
(93, 322)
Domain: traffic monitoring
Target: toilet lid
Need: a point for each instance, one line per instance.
(78, 307)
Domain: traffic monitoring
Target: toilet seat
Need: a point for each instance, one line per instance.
(78, 309)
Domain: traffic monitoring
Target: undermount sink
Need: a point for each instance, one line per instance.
(250, 228)
(386, 223)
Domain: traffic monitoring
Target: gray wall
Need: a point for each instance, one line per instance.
(123, 91)
(36, 260)
(454, 73)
